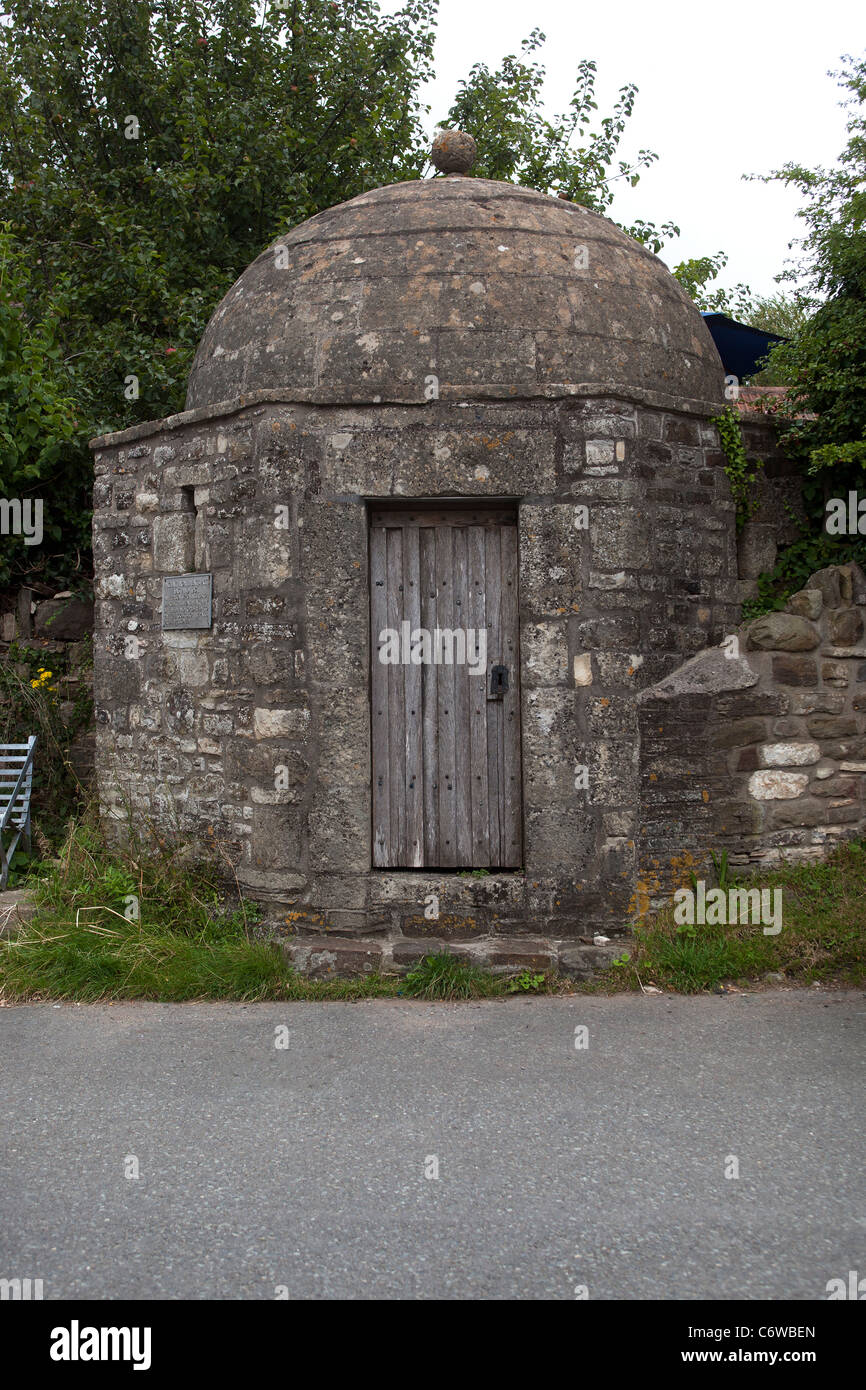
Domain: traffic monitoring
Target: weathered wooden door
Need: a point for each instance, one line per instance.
(445, 687)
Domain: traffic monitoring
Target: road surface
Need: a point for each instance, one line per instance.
(310, 1169)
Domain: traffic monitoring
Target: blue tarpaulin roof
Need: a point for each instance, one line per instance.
(740, 347)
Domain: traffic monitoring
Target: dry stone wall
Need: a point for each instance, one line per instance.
(759, 746)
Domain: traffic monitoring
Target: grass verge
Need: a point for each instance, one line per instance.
(822, 937)
(115, 925)
(443, 976)
(111, 926)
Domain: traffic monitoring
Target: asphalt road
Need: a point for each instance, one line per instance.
(303, 1168)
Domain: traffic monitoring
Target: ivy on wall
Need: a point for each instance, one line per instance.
(742, 472)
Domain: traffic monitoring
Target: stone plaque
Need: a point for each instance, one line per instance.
(187, 601)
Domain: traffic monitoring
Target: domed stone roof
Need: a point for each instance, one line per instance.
(492, 289)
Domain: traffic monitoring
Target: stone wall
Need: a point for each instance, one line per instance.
(759, 746)
(49, 621)
(779, 514)
(270, 497)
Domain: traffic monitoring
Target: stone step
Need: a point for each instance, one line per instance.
(327, 957)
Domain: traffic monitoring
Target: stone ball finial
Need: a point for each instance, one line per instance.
(454, 152)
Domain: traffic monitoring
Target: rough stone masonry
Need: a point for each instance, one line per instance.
(455, 340)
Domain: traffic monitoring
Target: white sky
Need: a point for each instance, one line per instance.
(724, 90)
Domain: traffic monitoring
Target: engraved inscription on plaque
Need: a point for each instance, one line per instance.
(187, 601)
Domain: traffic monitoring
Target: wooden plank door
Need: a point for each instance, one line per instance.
(446, 746)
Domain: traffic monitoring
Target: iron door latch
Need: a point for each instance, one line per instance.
(498, 682)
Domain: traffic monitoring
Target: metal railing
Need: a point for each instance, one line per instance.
(16, 781)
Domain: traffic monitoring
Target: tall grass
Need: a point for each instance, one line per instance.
(823, 934)
(115, 924)
(145, 923)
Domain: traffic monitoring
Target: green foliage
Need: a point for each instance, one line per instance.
(844, 458)
(829, 470)
(721, 868)
(444, 976)
(783, 314)
(562, 154)
(797, 563)
(20, 868)
(185, 942)
(54, 703)
(118, 249)
(695, 275)
(701, 958)
(190, 940)
(849, 457)
(823, 934)
(525, 983)
(741, 473)
(40, 436)
(825, 363)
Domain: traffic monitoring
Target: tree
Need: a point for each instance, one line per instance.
(823, 413)
(695, 275)
(149, 151)
(563, 155)
(38, 427)
(825, 362)
(786, 316)
(783, 314)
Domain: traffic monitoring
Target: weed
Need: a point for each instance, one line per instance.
(822, 936)
(444, 976)
(525, 982)
(723, 877)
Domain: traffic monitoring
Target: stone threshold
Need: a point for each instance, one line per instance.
(333, 957)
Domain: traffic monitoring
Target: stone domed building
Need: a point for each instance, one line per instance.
(376, 610)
